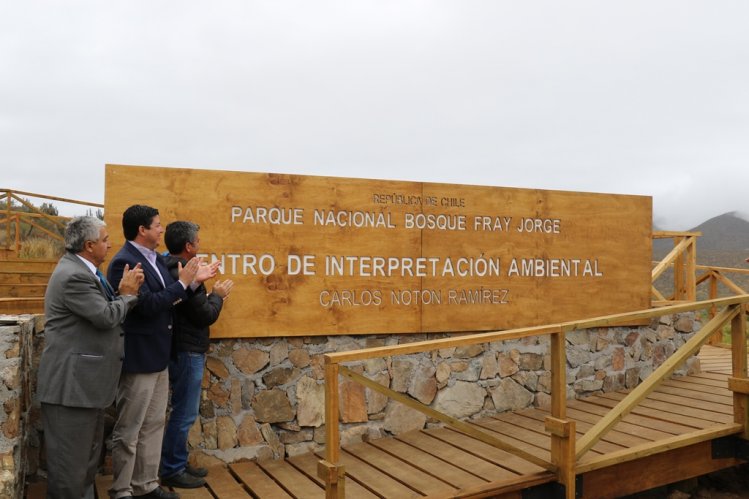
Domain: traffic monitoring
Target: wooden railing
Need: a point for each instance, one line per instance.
(565, 451)
(12, 218)
(688, 276)
(683, 259)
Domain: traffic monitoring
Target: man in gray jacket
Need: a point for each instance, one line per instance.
(82, 357)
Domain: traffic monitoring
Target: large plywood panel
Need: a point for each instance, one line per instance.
(389, 256)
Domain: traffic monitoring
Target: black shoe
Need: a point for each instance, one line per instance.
(159, 493)
(199, 472)
(183, 480)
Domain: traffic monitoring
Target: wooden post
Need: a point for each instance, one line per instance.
(738, 382)
(716, 338)
(330, 470)
(691, 270)
(562, 431)
(559, 374)
(18, 236)
(563, 452)
(679, 291)
(7, 218)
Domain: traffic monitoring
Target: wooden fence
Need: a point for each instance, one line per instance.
(12, 218)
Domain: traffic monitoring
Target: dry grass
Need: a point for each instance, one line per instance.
(41, 248)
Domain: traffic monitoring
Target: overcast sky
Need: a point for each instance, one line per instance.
(637, 97)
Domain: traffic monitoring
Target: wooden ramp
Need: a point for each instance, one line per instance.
(682, 418)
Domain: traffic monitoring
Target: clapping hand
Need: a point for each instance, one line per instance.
(131, 280)
(207, 271)
(222, 288)
(189, 271)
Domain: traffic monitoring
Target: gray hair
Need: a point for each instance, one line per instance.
(82, 229)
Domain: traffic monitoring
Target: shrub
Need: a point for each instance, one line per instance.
(41, 248)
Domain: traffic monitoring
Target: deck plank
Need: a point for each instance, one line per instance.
(199, 493)
(688, 383)
(485, 451)
(296, 482)
(374, 479)
(307, 464)
(482, 468)
(712, 411)
(701, 397)
(424, 483)
(600, 448)
(636, 419)
(428, 463)
(539, 417)
(711, 376)
(655, 410)
(526, 440)
(223, 484)
(257, 481)
(676, 409)
(623, 433)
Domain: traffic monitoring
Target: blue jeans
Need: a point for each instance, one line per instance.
(185, 378)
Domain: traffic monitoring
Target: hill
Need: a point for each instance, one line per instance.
(726, 234)
(724, 243)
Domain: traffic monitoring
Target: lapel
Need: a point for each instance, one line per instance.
(161, 264)
(82, 267)
(148, 269)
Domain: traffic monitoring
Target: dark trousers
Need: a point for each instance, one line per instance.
(74, 438)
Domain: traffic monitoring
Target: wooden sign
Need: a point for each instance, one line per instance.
(319, 255)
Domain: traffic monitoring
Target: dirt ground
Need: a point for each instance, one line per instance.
(726, 484)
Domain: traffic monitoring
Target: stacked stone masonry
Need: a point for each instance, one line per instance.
(19, 444)
(264, 398)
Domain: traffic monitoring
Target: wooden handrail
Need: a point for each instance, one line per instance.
(422, 346)
(683, 259)
(669, 259)
(53, 198)
(668, 234)
(511, 334)
(10, 216)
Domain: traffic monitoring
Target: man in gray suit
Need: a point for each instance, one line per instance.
(82, 357)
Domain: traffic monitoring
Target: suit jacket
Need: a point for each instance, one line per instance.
(82, 357)
(148, 328)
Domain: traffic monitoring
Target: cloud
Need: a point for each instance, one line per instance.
(638, 97)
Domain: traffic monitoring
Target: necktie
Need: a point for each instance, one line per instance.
(107, 287)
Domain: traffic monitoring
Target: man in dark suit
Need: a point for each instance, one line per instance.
(144, 384)
(82, 358)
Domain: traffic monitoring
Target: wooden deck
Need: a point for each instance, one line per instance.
(442, 463)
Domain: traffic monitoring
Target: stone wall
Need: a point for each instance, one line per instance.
(264, 398)
(19, 444)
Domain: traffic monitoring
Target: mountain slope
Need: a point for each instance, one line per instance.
(724, 243)
(727, 232)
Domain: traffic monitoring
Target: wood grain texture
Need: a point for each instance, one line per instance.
(417, 257)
